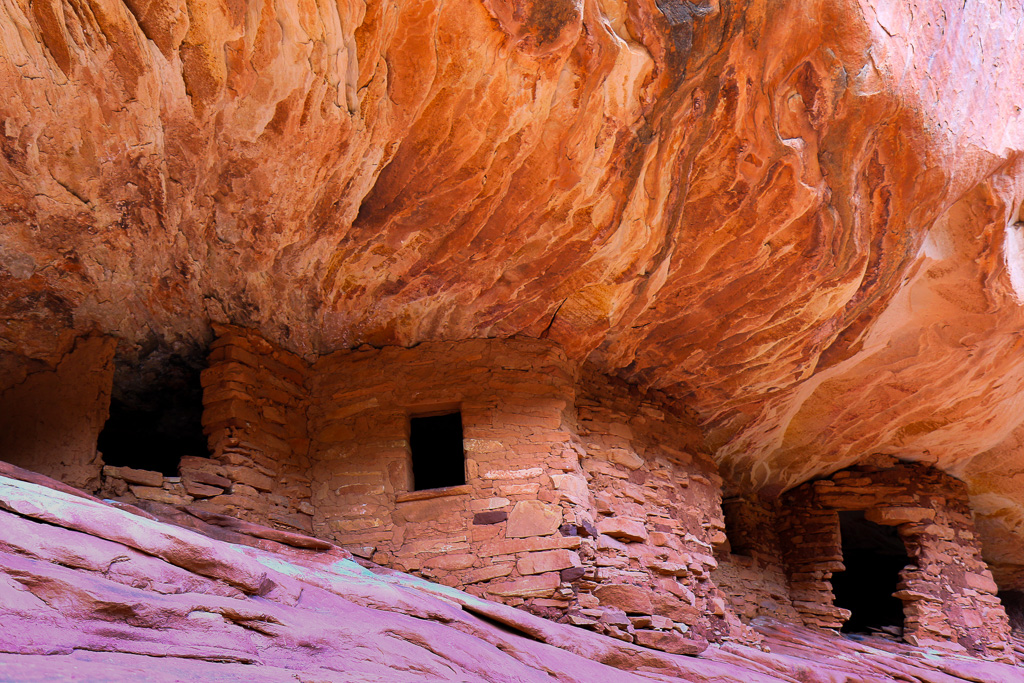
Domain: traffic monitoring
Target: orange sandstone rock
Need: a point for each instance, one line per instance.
(798, 219)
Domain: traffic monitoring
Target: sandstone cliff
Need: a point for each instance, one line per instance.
(800, 219)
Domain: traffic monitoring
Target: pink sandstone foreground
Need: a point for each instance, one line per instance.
(511, 340)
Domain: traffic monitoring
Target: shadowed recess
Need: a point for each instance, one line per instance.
(874, 555)
(156, 413)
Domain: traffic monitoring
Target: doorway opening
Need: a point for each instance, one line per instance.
(1013, 603)
(156, 411)
(873, 555)
(736, 527)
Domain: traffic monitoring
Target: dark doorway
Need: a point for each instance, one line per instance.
(1013, 603)
(156, 412)
(873, 555)
(737, 527)
(437, 456)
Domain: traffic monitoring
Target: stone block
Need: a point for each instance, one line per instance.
(194, 488)
(643, 621)
(528, 473)
(628, 598)
(669, 568)
(233, 352)
(609, 543)
(635, 493)
(134, 476)
(246, 491)
(254, 504)
(495, 571)
(662, 623)
(539, 586)
(518, 489)
(211, 505)
(626, 457)
(205, 477)
(158, 495)
(492, 517)
(483, 446)
(614, 617)
(488, 504)
(556, 602)
(295, 521)
(448, 543)
(113, 488)
(675, 609)
(571, 488)
(619, 634)
(892, 516)
(232, 411)
(356, 490)
(623, 528)
(512, 546)
(533, 518)
(572, 574)
(445, 508)
(223, 372)
(483, 533)
(981, 582)
(451, 562)
(249, 477)
(620, 429)
(547, 561)
(668, 641)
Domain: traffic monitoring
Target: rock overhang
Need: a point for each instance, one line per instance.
(793, 218)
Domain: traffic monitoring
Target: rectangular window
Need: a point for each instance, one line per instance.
(437, 457)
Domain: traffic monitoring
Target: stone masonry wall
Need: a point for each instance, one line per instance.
(606, 521)
(658, 516)
(254, 414)
(750, 570)
(584, 500)
(949, 595)
(499, 535)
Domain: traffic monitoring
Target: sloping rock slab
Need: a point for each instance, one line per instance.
(90, 592)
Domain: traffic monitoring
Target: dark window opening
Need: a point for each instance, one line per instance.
(156, 411)
(873, 555)
(737, 527)
(437, 457)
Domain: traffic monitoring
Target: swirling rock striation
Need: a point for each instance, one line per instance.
(797, 218)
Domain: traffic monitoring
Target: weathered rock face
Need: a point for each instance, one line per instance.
(797, 218)
(51, 419)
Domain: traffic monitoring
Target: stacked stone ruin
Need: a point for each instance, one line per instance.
(584, 499)
(254, 407)
(751, 569)
(948, 593)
